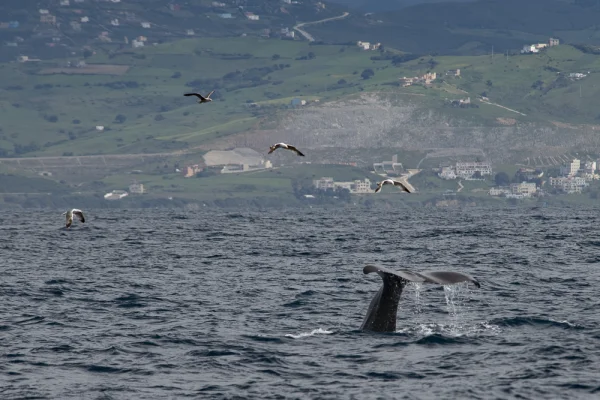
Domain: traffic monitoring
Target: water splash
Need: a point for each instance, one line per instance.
(416, 286)
(306, 334)
(455, 297)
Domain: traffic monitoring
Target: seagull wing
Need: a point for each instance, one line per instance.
(210, 94)
(403, 186)
(273, 148)
(379, 186)
(69, 219)
(292, 148)
(79, 214)
(194, 94)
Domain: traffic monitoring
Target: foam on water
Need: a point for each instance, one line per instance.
(311, 333)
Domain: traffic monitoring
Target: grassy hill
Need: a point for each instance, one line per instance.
(143, 110)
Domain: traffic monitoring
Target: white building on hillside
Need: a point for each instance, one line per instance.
(324, 183)
(466, 170)
(524, 188)
(571, 184)
(356, 186)
(572, 168)
(136, 188)
(388, 166)
(363, 186)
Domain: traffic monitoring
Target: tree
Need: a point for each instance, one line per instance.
(341, 82)
(275, 57)
(489, 83)
(311, 55)
(502, 179)
(367, 73)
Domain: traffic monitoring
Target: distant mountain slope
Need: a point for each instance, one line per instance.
(471, 28)
(387, 5)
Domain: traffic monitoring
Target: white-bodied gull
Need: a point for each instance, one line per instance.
(407, 187)
(284, 146)
(70, 214)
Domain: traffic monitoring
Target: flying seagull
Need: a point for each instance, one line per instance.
(70, 214)
(203, 99)
(404, 185)
(284, 146)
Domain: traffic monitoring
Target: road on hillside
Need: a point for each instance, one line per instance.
(308, 35)
(100, 156)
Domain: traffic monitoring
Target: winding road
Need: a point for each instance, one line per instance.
(308, 35)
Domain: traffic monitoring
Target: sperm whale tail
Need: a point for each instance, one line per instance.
(383, 310)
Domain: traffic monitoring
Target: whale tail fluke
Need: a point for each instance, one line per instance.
(439, 277)
(382, 312)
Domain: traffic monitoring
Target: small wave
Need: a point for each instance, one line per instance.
(307, 334)
(536, 321)
(105, 369)
(437, 338)
(235, 216)
(212, 353)
(262, 338)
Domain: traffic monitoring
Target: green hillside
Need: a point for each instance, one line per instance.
(48, 109)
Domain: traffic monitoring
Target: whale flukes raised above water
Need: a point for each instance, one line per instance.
(70, 214)
(383, 310)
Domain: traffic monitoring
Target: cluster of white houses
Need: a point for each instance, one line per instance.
(574, 178)
(535, 48)
(515, 190)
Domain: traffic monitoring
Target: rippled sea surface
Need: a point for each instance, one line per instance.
(156, 304)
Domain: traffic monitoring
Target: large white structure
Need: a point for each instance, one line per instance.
(571, 184)
(136, 188)
(466, 170)
(232, 168)
(323, 183)
(571, 169)
(388, 166)
(524, 188)
(357, 186)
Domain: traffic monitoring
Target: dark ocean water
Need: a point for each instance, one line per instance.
(164, 304)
